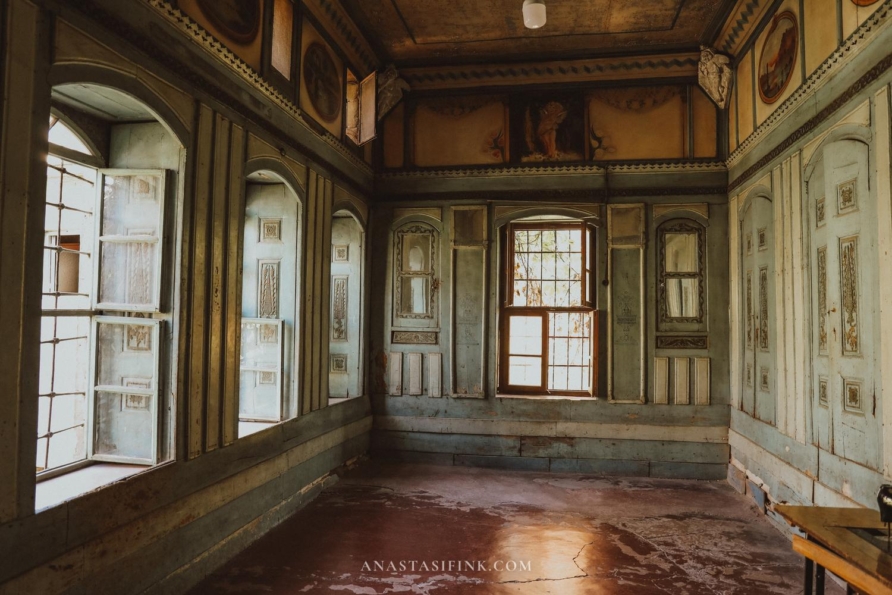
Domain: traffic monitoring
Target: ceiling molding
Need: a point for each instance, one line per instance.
(337, 23)
(558, 170)
(563, 71)
(223, 55)
(839, 60)
(744, 19)
(411, 33)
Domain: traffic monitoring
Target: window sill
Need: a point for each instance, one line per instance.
(55, 491)
(246, 428)
(548, 397)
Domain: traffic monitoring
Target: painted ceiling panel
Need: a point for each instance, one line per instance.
(420, 32)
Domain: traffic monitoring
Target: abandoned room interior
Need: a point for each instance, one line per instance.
(382, 296)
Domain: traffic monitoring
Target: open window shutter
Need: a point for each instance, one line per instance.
(261, 367)
(368, 108)
(123, 416)
(128, 246)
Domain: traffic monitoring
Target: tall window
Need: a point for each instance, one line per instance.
(268, 389)
(99, 340)
(548, 315)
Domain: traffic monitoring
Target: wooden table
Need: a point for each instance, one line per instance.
(833, 545)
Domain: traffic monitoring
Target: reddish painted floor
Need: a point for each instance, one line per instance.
(564, 535)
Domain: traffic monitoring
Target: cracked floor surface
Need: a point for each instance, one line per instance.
(391, 528)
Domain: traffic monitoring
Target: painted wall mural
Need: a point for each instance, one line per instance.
(549, 128)
(522, 127)
(321, 81)
(238, 19)
(323, 84)
(778, 60)
(467, 130)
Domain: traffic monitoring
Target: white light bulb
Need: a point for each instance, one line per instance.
(533, 13)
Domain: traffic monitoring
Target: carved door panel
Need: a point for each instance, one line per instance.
(269, 273)
(822, 320)
(851, 302)
(757, 256)
(748, 301)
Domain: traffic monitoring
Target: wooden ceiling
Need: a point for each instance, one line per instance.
(428, 32)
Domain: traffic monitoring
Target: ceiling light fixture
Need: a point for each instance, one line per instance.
(533, 13)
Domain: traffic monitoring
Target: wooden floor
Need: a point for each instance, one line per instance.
(395, 528)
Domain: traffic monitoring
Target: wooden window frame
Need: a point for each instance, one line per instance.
(507, 309)
(289, 87)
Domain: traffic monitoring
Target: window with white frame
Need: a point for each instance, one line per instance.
(101, 300)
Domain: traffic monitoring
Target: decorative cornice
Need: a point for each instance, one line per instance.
(556, 170)
(565, 71)
(745, 17)
(836, 62)
(183, 23)
(554, 195)
(340, 26)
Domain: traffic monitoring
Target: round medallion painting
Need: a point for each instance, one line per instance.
(778, 60)
(237, 19)
(322, 81)
(864, 2)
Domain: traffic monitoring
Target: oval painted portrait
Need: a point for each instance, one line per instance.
(322, 81)
(778, 60)
(239, 20)
(864, 2)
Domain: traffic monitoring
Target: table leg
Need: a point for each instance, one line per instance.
(849, 590)
(819, 579)
(809, 572)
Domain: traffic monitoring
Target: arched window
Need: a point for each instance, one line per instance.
(345, 377)
(105, 295)
(268, 390)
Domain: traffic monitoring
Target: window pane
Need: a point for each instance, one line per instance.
(41, 455)
(683, 298)
(130, 234)
(124, 425)
(283, 24)
(125, 420)
(415, 295)
(67, 447)
(525, 371)
(569, 356)
(520, 293)
(125, 355)
(416, 251)
(525, 335)
(260, 388)
(62, 135)
(129, 270)
(64, 364)
(681, 253)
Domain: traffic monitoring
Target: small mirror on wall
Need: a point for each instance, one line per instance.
(681, 253)
(682, 298)
(681, 262)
